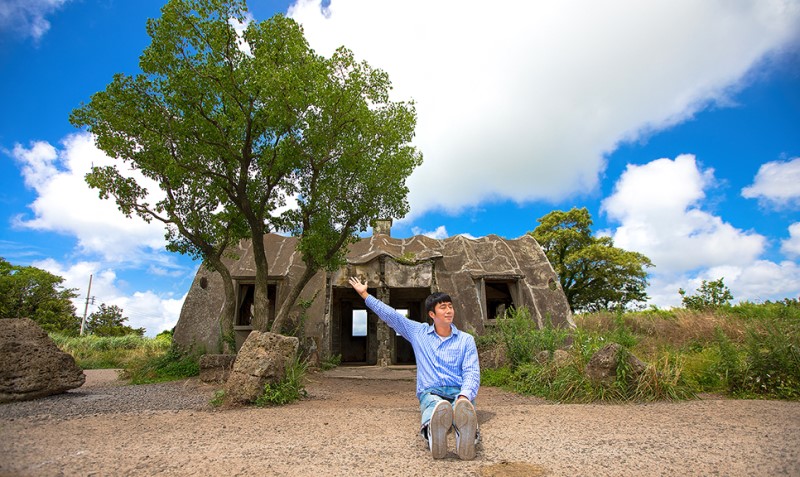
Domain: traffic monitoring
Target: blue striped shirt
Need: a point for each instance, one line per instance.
(449, 362)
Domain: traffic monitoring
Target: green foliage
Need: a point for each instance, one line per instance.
(171, 365)
(30, 292)
(787, 309)
(230, 134)
(331, 362)
(500, 377)
(767, 364)
(97, 352)
(567, 382)
(108, 321)
(218, 399)
(290, 389)
(710, 295)
(593, 273)
(523, 340)
(747, 350)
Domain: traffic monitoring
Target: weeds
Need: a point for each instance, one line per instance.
(169, 366)
(291, 388)
(330, 362)
(747, 350)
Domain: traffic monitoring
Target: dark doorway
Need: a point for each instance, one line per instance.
(410, 302)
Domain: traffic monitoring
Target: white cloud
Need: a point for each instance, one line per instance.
(153, 311)
(756, 282)
(27, 17)
(439, 233)
(522, 100)
(659, 208)
(791, 246)
(777, 184)
(65, 203)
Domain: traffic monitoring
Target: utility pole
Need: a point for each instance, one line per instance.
(86, 308)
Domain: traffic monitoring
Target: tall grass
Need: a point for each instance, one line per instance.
(747, 350)
(98, 352)
(143, 360)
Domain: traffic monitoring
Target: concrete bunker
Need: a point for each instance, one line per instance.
(484, 276)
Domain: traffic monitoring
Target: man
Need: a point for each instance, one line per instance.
(448, 373)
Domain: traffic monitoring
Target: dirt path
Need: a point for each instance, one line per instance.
(350, 427)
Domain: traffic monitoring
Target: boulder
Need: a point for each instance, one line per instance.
(560, 357)
(216, 368)
(602, 366)
(31, 365)
(262, 359)
(493, 356)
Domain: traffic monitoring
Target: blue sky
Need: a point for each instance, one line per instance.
(676, 123)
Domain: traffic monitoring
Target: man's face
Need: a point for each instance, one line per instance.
(442, 313)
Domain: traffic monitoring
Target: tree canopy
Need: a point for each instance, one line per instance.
(252, 133)
(593, 273)
(710, 294)
(30, 292)
(109, 321)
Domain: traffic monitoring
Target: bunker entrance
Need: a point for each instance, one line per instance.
(354, 330)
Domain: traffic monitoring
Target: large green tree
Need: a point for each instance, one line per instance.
(254, 124)
(30, 292)
(593, 273)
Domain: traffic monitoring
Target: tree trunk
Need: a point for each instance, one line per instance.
(260, 297)
(227, 315)
(282, 317)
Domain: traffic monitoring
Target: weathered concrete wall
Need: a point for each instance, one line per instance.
(198, 327)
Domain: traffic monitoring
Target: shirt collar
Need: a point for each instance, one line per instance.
(453, 329)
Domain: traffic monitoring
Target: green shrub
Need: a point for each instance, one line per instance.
(330, 362)
(771, 364)
(169, 366)
(500, 377)
(523, 340)
(568, 382)
(291, 388)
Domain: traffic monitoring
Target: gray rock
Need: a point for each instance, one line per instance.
(263, 359)
(31, 365)
(602, 366)
(562, 357)
(216, 368)
(493, 356)
(559, 358)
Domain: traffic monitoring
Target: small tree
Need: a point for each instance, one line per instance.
(710, 295)
(108, 321)
(30, 292)
(593, 273)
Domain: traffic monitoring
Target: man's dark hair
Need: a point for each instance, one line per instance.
(436, 298)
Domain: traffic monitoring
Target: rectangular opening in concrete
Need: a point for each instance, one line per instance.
(499, 296)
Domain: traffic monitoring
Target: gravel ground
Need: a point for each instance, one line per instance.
(368, 427)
